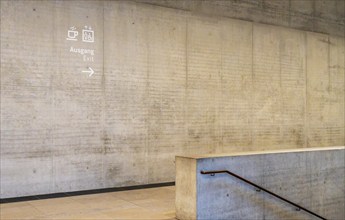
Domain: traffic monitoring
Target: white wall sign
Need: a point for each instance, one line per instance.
(72, 34)
(88, 36)
(90, 71)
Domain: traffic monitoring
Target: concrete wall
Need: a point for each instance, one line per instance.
(166, 82)
(313, 178)
(323, 16)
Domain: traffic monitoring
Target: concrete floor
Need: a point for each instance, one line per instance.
(153, 203)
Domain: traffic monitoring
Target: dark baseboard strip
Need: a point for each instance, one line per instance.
(84, 192)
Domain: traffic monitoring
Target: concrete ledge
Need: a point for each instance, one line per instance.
(313, 178)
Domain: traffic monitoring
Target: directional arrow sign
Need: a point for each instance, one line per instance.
(90, 71)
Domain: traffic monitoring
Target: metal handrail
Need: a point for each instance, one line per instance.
(212, 173)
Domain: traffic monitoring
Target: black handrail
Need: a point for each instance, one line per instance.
(263, 189)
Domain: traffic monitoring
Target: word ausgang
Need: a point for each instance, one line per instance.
(82, 51)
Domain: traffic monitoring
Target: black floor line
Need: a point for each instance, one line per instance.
(84, 192)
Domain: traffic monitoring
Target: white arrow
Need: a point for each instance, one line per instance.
(90, 71)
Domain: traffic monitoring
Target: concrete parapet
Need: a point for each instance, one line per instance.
(312, 178)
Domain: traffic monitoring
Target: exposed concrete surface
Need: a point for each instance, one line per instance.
(185, 203)
(313, 179)
(166, 82)
(323, 16)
